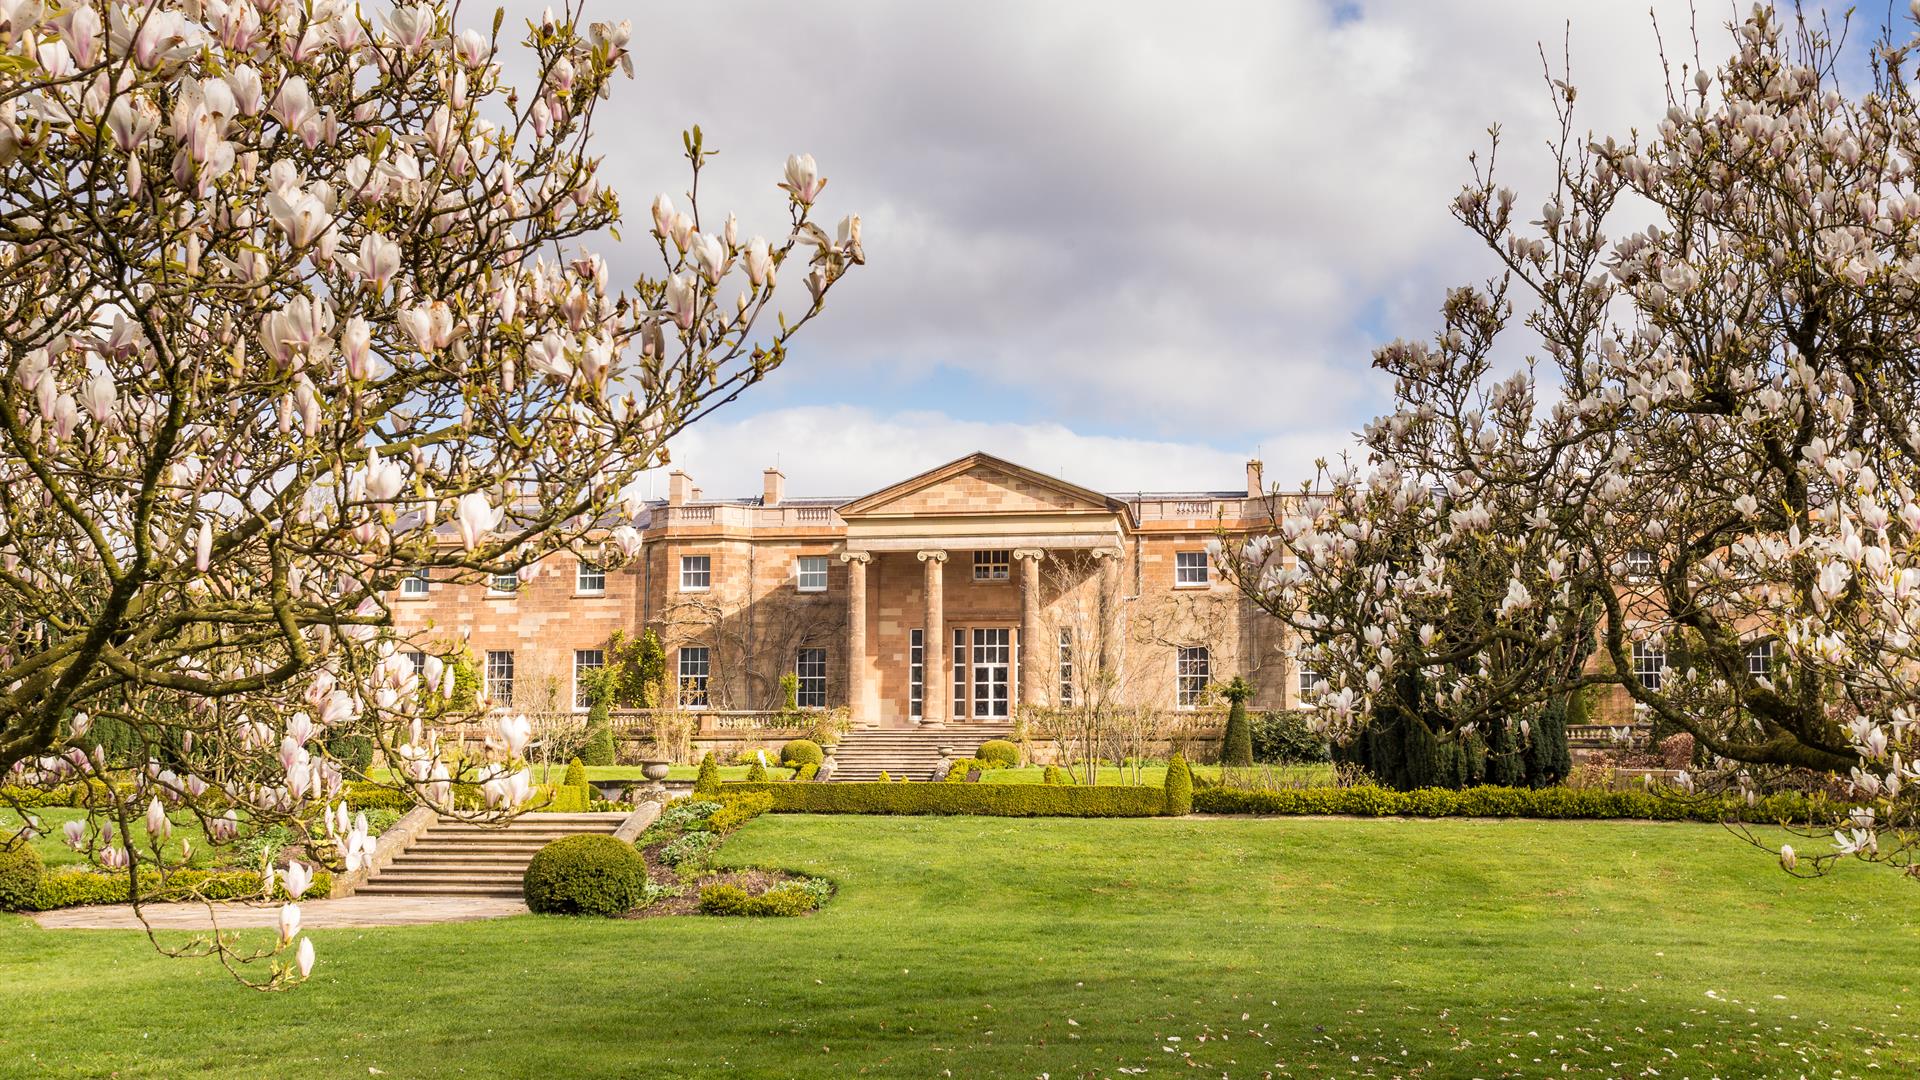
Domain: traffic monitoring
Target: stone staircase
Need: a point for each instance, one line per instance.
(458, 858)
(909, 753)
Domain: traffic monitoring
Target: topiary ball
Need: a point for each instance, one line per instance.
(999, 750)
(20, 872)
(586, 875)
(800, 752)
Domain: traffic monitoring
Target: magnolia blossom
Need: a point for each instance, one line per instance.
(345, 314)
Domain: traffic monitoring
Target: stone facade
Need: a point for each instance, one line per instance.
(1031, 585)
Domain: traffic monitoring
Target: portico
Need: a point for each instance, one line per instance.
(947, 588)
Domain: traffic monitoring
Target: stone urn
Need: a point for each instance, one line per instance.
(655, 770)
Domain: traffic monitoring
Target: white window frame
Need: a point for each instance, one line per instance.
(584, 574)
(812, 693)
(960, 673)
(1642, 564)
(696, 573)
(803, 570)
(580, 703)
(1066, 668)
(1313, 682)
(1183, 568)
(693, 666)
(495, 588)
(916, 673)
(1649, 661)
(498, 669)
(1190, 686)
(993, 565)
(1760, 655)
(416, 585)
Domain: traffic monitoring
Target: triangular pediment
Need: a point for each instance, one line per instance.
(980, 484)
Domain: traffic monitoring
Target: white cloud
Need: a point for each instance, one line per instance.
(1190, 228)
(849, 451)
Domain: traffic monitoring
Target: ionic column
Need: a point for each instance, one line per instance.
(856, 632)
(1033, 658)
(937, 690)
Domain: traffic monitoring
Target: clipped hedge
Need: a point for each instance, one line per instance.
(1554, 802)
(72, 888)
(562, 799)
(586, 875)
(372, 796)
(75, 795)
(736, 809)
(987, 800)
(960, 768)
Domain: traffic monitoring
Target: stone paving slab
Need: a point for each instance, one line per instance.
(349, 911)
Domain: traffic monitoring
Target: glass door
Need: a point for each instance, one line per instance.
(992, 664)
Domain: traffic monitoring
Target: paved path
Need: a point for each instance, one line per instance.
(350, 911)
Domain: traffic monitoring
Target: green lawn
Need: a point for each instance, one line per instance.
(982, 947)
(54, 851)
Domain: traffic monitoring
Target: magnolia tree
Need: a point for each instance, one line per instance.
(296, 303)
(1710, 474)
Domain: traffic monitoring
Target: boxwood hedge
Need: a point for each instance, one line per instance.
(70, 888)
(990, 800)
(1556, 802)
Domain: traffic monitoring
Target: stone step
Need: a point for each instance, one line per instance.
(469, 877)
(377, 888)
(404, 865)
(461, 857)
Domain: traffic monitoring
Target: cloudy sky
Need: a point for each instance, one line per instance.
(1129, 243)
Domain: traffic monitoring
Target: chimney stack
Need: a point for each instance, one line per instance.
(679, 484)
(1256, 485)
(696, 494)
(773, 487)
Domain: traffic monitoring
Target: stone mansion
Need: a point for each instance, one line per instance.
(958, 594)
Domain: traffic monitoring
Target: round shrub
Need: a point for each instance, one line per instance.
(999, 750)
(800, 752)
(20, 874)
(20, 877)
(586, 875)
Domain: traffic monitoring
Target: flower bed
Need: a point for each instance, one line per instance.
(679, 850)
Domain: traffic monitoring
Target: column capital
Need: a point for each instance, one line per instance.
(1105, 553)
(1036, 554)
(931, 556)
(856, 556)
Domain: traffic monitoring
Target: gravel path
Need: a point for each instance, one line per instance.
(350, 911)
